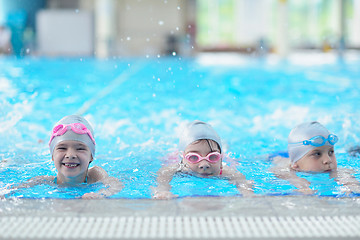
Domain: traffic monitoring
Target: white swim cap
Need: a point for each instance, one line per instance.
(72, 136)
(197, 130)
(302, 132)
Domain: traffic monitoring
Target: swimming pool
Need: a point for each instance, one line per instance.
(136, 106)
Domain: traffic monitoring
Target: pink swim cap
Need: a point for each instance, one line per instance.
(72, 136)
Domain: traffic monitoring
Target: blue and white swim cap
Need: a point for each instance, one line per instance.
(197, 130)
(303, 132)
(72, 136)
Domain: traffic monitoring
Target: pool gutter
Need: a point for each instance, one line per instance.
(271, 217)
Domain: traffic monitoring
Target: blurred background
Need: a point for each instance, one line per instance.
(149, 28)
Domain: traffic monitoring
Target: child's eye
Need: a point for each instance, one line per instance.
(193, 158)
(316, 154)
(81, 149)
(61, 148)
(331, 152)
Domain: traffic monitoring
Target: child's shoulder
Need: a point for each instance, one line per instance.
(42, 179)
(96, 174)
(281, 166)
(281, 161)
(171, 168)
(96, 169)
(49, 178)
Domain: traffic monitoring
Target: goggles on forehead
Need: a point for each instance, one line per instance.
(212, 157)
(319, 141)
(78, 128)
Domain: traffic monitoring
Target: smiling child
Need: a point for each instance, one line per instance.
(72, 147)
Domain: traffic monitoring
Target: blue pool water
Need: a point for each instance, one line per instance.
(136, 106)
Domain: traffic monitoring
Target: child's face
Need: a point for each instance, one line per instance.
(320, 159)
(203, 168)
(72, 159)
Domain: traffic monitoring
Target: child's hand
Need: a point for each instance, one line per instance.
(355, 188)
(164, 195)
(301, 183)
(350, 189)
(306, 191)
(246, 188)
(246, 192)
(5, 191)
(349, 183)
(92, 195)
(303, 186)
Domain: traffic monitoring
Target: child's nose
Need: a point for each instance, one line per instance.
(204, 164)
(327, 160)
(70, 153)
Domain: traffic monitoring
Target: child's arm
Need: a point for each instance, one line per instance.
(343, 176)
(165, 175)
(30, 183)
(34, 181)
(235, 177)
(283, 171)
(112, 184)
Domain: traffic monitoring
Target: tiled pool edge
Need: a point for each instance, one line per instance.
(287, 217)
(335, 227)
(195, 206)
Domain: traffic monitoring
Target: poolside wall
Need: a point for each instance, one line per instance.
(120, 28)
(150, 28)
(130, 28)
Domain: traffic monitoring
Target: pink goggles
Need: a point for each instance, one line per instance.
(78, 128)
(212, 157)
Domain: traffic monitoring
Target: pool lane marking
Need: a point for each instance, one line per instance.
(134, 68)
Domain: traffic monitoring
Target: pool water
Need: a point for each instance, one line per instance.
(136, 107)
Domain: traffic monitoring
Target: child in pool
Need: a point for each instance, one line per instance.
(72, 146)
(311, 149)
(201, 155)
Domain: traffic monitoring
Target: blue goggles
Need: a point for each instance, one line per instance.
(319, 141)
